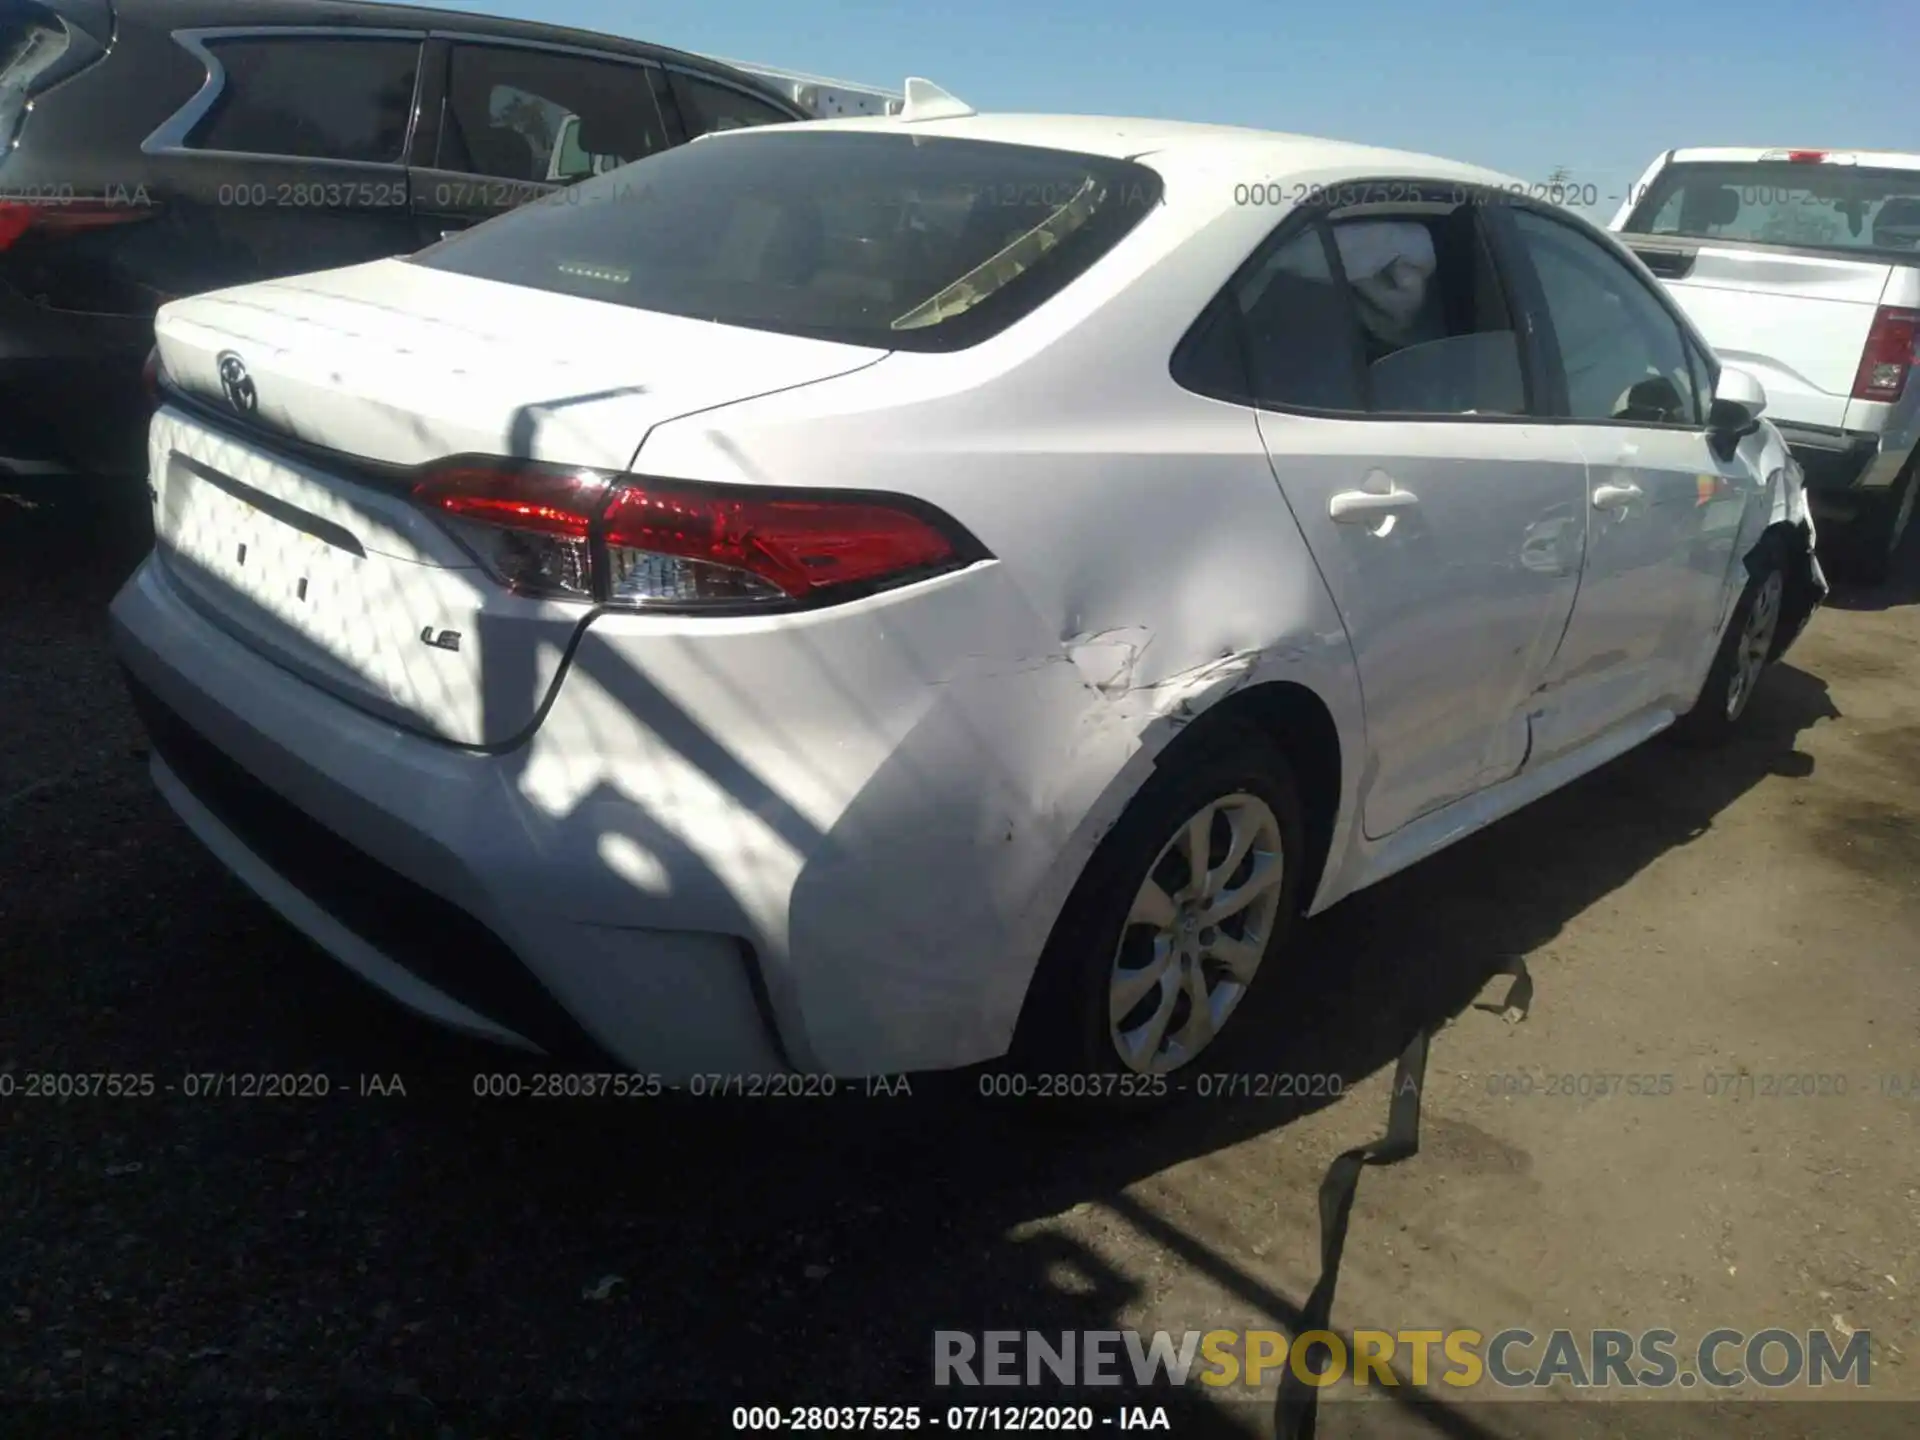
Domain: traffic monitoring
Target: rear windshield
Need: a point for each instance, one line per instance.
(895, 241)
(1843, 208)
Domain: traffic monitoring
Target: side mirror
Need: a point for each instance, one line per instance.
(1739, 401)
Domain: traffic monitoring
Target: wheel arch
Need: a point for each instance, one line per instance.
(1302, 723)
(1298, 719)
(1791, 543)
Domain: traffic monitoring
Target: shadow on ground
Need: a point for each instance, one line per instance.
(1840, 557)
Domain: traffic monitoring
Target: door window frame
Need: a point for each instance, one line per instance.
(668, 96)
(170, 137)
(426, 152)
(1699, 358)
(1400, 200)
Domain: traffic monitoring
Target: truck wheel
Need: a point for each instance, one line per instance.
(1743, 655)
(1185, 903)
(1883, 527)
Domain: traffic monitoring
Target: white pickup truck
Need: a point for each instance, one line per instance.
(1803, 268)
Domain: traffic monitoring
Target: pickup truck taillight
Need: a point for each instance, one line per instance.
(1888, 358)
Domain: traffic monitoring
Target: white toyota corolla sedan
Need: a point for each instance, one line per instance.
(886, 594)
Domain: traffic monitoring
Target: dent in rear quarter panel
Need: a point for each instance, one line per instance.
(934, 768)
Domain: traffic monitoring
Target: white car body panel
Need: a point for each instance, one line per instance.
(1454, 608)
(1656, 571)
(887, 800)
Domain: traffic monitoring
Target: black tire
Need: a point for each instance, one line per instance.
(1065, 1029)
(1718, 711)
(1879, 529)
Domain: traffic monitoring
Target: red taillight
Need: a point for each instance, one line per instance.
(1806, 157)
(1889, 356)
(775, 547)
(656, 544)
(547, 502)
(17, 217)
(527, 524)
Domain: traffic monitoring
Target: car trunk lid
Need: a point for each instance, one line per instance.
(282, 468)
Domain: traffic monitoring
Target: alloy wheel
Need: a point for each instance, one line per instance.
(1755, 644)
(1196, 934)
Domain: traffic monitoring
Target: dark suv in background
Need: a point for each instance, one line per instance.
(157, 148)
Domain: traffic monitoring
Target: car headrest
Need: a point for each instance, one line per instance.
(1897, 226)
(1701, 208)
(1653, 401)
(614, 132)
(1461, 374)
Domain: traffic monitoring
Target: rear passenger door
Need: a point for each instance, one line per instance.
(292, 157)
(513, 121)
(1393, 392)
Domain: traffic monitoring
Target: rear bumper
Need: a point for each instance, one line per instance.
(769, 850)
(1843, 465)
(371, 843)
(70, 395)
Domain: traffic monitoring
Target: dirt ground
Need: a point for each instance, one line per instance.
(1722, 921)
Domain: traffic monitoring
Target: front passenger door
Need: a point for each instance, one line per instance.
(518, 122)
(1664, 511)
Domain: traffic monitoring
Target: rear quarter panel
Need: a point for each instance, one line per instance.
(1146, 569)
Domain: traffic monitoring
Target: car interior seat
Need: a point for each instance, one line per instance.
(1708, 208)
(621, 133)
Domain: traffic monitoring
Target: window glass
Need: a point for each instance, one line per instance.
(1301, 344)
(1435, 332)
(893, 240)
(1817, 206)
(313, 97)
(706, 107)
(1414, 322)
(31, 44)
(542, 117)
(1209, 359)
(1624, 356)
(1700, 369)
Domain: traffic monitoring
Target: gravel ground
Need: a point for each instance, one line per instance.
(234, 1263)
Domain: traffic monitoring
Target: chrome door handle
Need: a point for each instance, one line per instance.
(1361, 507)
(1615, 497)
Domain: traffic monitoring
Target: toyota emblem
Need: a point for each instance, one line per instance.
(236, 384)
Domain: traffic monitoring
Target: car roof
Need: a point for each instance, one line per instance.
(1750, 154)
(1188, 147)
(201, 14)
